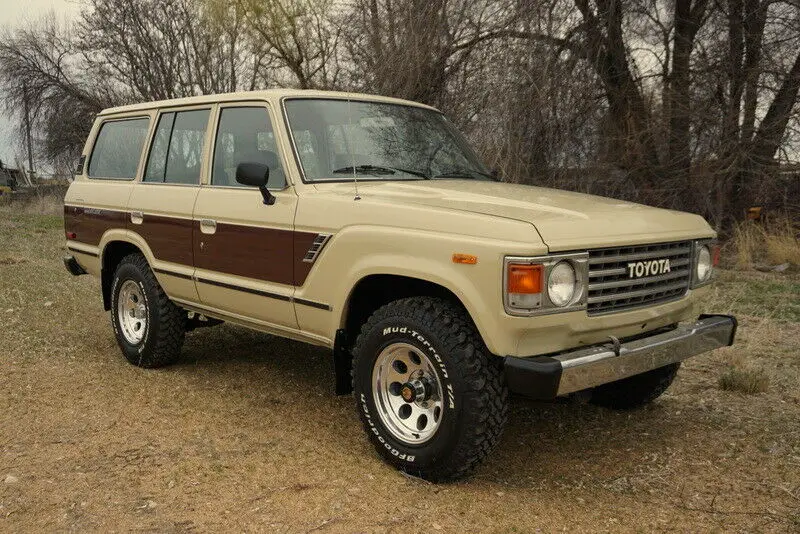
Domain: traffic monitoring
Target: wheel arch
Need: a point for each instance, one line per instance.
(112, 253)
(368, 295)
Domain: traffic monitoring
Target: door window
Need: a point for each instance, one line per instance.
(245, 135)
(118, 148)
(176, 153)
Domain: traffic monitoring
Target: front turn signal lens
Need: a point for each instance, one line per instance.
(524, 279)
(466, 259)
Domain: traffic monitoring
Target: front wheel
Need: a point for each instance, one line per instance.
(430, 396)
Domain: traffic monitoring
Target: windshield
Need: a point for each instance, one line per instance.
(340, 140)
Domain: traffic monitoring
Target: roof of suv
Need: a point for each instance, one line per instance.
(257, 95)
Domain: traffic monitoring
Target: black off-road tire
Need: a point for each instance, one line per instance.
(475, 395)
(635, 391)
(166, 323)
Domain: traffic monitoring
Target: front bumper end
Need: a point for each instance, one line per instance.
(547, 377)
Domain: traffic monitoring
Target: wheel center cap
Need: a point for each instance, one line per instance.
(413, 391)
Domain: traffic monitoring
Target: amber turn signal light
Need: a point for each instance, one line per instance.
(524, 279)
(467, 259)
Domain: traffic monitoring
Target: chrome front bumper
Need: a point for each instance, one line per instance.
(546, 377)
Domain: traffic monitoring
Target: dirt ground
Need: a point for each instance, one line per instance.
(246, 435)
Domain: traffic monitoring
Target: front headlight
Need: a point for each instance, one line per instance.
(561, 284)
(703, 267)
(704, 258)
(545, 284)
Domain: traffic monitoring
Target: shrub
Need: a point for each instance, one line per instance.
(773, 242)
(744, 380)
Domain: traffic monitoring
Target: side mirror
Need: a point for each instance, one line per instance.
(255, 175)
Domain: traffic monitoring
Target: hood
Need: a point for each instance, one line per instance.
(565, 220)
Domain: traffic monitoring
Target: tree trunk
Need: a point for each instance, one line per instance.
(754, 20)
(767, 141)
(687, 22)
(633, 138)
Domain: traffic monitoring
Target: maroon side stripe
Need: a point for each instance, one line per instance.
(268, 254)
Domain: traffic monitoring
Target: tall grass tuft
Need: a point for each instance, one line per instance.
(771, 243)
(45, 204)
(745, 380)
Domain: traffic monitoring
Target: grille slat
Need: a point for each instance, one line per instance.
(595, 273)
(611, 288)
(682, 273)
(636, 256)
(607, 272)
(633, 294)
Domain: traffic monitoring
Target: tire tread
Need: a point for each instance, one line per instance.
(171, 328)
(481, 372)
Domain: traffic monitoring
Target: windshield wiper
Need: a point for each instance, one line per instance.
(462, 173)
(415, 173)
(378, 170)
(366, 169)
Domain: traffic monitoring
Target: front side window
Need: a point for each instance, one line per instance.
(176, 153)
(118, 148)
(335, 139)
(245, 135)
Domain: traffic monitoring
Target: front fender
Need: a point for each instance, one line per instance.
(360, 251)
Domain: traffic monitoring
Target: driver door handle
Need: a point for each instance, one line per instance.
(208, 226)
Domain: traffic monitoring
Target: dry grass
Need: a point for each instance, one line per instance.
(11, 260)
(773, 243)
(744, 380)
(40, 205)
(245, 434)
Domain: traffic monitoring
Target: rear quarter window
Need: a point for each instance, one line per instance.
(118, 149)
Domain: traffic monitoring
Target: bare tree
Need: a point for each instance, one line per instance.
(161, 49)
(40, 64)
(415, 48)
(297, 38)
(650, 100)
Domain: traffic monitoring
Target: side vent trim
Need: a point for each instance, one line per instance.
(316, 247)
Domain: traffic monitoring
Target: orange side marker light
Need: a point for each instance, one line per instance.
(466, 259)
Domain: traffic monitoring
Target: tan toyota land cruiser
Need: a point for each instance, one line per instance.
(367, 225)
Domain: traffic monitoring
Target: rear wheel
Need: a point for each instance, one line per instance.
(430, 396)
(149, 327)
(637, 390)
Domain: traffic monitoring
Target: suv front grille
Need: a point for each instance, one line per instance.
(611, 288)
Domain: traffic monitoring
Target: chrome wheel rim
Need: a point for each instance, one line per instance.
(132, 312)
(407, 393)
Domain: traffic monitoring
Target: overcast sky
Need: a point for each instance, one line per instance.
(12, 13)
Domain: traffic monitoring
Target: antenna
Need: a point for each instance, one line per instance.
(352, 150)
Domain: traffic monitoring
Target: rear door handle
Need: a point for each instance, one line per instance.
(208, 226)
(137, 217)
